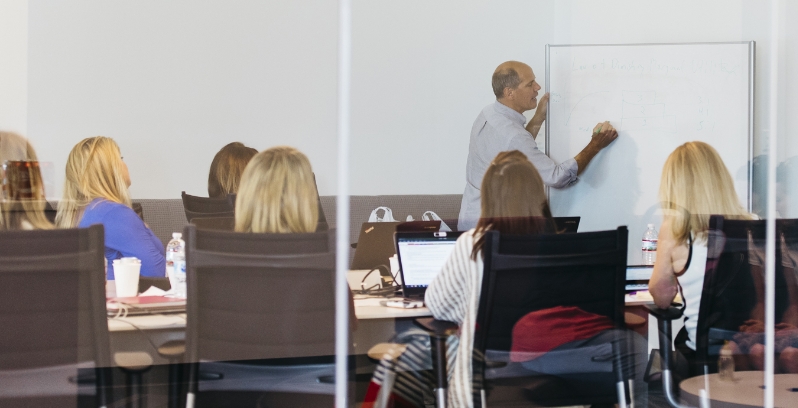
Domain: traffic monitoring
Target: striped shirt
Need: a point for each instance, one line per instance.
(454, 296)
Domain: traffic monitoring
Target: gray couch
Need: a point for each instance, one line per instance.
(166, 216)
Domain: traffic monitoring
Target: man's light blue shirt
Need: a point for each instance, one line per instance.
(498, 129)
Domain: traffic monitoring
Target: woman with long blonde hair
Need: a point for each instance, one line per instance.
(96, 192)
(695, 184)
(277, 193)
(19, 164)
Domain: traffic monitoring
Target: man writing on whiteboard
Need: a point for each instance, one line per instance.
(500, 127)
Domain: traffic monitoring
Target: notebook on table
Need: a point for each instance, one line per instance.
(142, 305)
(421, 257)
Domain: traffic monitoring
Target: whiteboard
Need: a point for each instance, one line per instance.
(658, 96)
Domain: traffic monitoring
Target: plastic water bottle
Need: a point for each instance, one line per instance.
(650, 245)
(726, 363)
(176, 264)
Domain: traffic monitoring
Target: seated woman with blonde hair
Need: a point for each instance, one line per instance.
(277, 193)
(96, 192)
(694, 185)
(25, 203)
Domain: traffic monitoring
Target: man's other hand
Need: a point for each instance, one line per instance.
(543, 107)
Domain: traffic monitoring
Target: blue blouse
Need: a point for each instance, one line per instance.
(126, 236)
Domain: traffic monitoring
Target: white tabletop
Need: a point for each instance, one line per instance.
(148, 322)
(371, 308)
(365, 309)
(744, 391)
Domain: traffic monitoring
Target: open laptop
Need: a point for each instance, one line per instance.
(421, 257)
(567, 224)
(375, 244)
(637, 277)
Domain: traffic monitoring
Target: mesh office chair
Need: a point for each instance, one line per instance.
(54, 347)
(733, 293)
(260, 304)
(528, 273)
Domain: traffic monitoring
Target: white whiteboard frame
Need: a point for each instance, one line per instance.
(751, 89)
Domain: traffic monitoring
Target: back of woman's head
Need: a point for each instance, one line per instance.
(696, 184)
(94, 169)
(15, 147)
(513, 198)
(277, 193)
(24, 208)
(227, 167)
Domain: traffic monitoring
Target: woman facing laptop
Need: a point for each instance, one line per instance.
(513, 202)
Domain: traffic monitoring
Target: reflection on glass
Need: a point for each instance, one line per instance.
(22, 199)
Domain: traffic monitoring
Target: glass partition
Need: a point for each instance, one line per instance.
(508, 187)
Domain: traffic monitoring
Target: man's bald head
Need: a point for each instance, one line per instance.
(507, 75)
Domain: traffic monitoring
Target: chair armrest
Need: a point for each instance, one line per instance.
(669, 314)
(437, 328)
(664, 319)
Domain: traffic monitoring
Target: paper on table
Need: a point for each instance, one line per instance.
(374, 301)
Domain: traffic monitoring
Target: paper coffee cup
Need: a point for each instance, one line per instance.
(126, 275)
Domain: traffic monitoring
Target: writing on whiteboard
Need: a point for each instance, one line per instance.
(707, 66)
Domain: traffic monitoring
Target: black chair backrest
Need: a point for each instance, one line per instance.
(146, 282)
(215, 223)
(207, 207)
(259, 296)
(322, 223)
(52, 298)
(731, 284)
(526, 273)
(138, 209)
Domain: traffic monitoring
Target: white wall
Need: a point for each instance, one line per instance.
(421, 76)
(173, 82)
(14, 65)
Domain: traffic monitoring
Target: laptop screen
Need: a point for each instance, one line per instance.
(637, 277)
(422, 255)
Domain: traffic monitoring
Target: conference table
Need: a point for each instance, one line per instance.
(376, 324)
